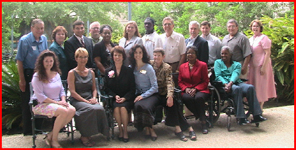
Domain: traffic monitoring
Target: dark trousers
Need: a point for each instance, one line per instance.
(196, 104)
(173, 116)
(26, 113)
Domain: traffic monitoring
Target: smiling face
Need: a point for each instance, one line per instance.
(205, 29)
(191, 54)
(138, 54)
(232, 28)
(131, 29)
(225, 55)
(168, 26)
(95, 31)
(60, 37)
(256, 28)
(117, 57)
(37, 30)
(79, 30)
(82, 58)
(193, 30)
(106, 34)
(158, 57)
(48, 62)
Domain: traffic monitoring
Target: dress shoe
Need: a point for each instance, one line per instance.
(153, 138)
(243, 121)
(258, 118)
(125, 140)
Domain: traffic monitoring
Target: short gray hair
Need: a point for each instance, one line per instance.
(232, 21)
(194, 22)
(228, 48)
(96, 22)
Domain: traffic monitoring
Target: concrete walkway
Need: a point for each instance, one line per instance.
(276, 132)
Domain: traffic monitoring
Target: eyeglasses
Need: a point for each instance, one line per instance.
(85, 57)
(167, 24)
(95, 28)
(232, 26)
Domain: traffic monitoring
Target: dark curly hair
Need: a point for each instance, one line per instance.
(39, 67)
(132, 60)
(120, 50)
(105, 26)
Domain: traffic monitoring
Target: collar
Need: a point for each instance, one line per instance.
(79, 38)
(206, 36)
(31, 35)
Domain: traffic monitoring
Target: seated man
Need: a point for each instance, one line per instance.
(228, 71)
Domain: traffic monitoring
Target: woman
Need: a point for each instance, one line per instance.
(59, 35)
(120, 83)
(50, 94)
(146, 90)
(90, 117)
(101, 52)
(131, 38)
(193, 81)
(165, 82)
(228, 71)
(260, 68)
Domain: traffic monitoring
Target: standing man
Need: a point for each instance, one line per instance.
(94, 30)
(78, 40)
(173, 45)
(240, 45)
(214, 42)
(200, 43)
(151, 39)
(29, 48)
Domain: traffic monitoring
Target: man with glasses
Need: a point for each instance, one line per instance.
(173, 45)
(94, 30)
(240, 45)
(76, 41)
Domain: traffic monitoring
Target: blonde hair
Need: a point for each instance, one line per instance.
(136, 26)
(79, 51)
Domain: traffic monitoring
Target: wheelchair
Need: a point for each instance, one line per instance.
(221, 102)
(107, 101)
(68, 129)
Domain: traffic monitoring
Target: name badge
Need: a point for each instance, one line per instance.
(34, 48)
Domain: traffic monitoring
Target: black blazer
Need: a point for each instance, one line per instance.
(72, 44)
(100, 51)
(122, 85)
(203, 48)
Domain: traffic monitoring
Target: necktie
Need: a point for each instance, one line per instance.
(82, 43)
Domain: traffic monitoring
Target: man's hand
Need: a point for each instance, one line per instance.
(22, 85)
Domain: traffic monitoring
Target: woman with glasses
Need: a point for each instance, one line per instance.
(90, 118)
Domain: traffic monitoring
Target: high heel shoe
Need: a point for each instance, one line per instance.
(181, 136)
(125, 140)
(153, 138)
(192, 135)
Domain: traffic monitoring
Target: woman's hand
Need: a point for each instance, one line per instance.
(262, 71)
(228, 87)
(190, 91)
(120, 100)
(138, 98)
(170, 101)
(63, 103)
(93, 100)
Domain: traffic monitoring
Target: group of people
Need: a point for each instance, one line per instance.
(138, 74)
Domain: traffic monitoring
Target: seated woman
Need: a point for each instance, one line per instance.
(165, 82)
(120, 83)
(146, 90)
(90, 117)
(193, 81)
(50, 94)
(228, 71)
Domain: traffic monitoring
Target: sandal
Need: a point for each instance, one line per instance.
(86, 143)
(181, 136)
(47, 141)
(192, 135)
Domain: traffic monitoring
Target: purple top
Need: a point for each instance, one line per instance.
(53, 90)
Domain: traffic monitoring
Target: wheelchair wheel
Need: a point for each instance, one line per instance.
(213, 105)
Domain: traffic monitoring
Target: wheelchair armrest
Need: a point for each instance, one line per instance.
(33, 102)
(177, 90)
(217, 84)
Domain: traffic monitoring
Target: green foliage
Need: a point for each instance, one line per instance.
(11, 102)
(281, 32)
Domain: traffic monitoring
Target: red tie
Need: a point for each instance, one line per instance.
(82, 43)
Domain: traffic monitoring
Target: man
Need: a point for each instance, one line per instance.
(200, 43)
(29, 48)
(76, 41)
(214, 42)
(151, 39)
(173, 44)
(94, 30)
(240, 45)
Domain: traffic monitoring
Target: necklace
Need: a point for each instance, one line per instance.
(190, 65)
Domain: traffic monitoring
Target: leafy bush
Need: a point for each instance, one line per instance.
(11, 102)
(281, 32)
